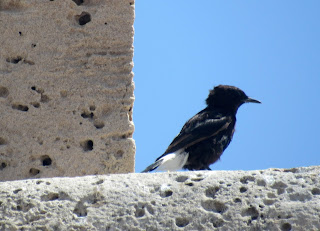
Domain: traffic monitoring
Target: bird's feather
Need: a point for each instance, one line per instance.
(153, 166)
(200, 127)
(170, 162)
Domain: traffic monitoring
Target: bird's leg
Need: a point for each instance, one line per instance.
(204, 168)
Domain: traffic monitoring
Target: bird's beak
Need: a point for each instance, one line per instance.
(250, 100)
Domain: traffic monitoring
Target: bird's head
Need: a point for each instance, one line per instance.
(228, 98)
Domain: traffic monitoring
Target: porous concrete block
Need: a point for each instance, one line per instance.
(273, 199)
(66, 89)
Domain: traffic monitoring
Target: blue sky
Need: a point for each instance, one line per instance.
(269, 49)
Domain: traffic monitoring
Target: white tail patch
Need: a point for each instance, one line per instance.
(173, 161)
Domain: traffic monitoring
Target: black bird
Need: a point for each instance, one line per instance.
(206, 135)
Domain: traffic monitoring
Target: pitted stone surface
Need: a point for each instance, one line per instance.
(66, 90)
(273, 199)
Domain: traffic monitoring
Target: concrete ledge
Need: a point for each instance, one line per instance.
(273, 199)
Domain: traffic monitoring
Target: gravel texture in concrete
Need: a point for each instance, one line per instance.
(273, 199)
(66, 89)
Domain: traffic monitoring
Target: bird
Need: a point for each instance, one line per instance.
(205, 136)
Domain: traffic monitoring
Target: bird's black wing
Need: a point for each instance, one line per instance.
(200, 127)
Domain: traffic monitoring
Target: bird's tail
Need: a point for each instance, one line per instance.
(153, 166)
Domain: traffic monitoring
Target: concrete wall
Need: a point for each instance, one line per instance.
(66, 90)
(274, 199)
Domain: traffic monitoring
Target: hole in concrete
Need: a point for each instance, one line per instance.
(182, 221)
(214, 206)
(166, 193)
(87, 115)
(220, 207)
(119, 154)
(286, 227)
(293, 170)
(181, 178)
(33, 45)
(87, 145)
(4, 92)
(83, 18)
(78, 2)
(92, 108)
(279, 184)
(38, 90)
(14, 60)
(315, 191)
(300, 197)
(268, 201)
(280, 191)
(3, 165)
(197, 179)
(23, 205)
(44, 98)
(50, 196)
(3, 141)
(237, 200)
(35, 104)
(98, 182)
(271, 195)
(80, 210)
(216, 222)
(46, 160)
(252, 212)
(34, 171)
(17, 190)
(140, 212)
(261, 182)
(189, 184)
(40, 141)
(211, 191)
(20, 107)
(243, 189)
(20, 33)
(98, 124)
(94, 198)
(245, 179)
